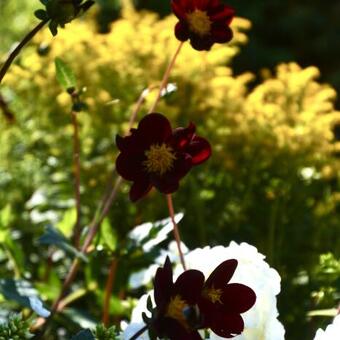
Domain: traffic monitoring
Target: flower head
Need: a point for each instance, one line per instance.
(203, 22)
(174, 301)
(155, 155)
(221, 303)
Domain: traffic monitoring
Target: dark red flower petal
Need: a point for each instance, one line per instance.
(129, 166)
(175, 331)
(165, 184)
(181, 31)
(221, 12)
(238, 298)
(139, 188)
(189, 286)
(182, 166)
(222, 274)
(221, 34)
(201, 43)
(181, 137)
(154, 128)
(127, 143)
(226, 325)
(178, 10)
(199, 149)
(163, 283)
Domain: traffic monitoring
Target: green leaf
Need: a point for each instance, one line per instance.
(41, 14)
(65, 75)
(67, 222)
(108, 236)
(22, 292)
(85, 334)
(54, 237)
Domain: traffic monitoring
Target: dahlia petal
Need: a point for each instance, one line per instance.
(189, 285)
(201, 43)
(238, 298)
(165, 184)
(222, 274)
(182, 136)
(222, 12)
(175, 331)
(221, 34)
(181, 31)
(154, 128)
(178, 10)
(226, 325)
(128, 143)
(163, 283)
(130, 166)
(182, 166)
(199, 149)
(139, 189)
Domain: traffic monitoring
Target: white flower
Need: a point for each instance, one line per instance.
(261, 320)
(38, 307)
(332, 331)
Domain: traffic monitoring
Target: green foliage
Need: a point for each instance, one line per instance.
(16, 328)
(65, 76)
(103, 333)
(272, 179)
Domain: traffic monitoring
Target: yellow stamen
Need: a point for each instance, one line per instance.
(214, 295)
(199, 22)
(159, 159)
(175, 310)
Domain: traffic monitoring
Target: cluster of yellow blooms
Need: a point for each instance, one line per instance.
(289, 113)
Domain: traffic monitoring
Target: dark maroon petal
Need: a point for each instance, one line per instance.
(182, 166)
(201, 43)
(165, 184)
(181, 137)
(189, 286)
(201, 4)
(175, 331)
(199, 149)
(154, 128)
(139, 188)
(130, 166)
(163, 283)
(181, 31)
(226, 325)
(238, 298)
(128, 143)
(221, 34)
(178, 10)
(222, 274)
(222, 12)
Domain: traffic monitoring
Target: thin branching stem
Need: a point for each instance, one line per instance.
(108, 291)
(175, 229)
(19, 47)
(140, 332)
(166, 77)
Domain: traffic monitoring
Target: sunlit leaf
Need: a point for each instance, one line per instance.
(65, 75)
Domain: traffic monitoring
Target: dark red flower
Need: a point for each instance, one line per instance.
(174, 302)
(221, 303)
(203, 22)
(155, 155)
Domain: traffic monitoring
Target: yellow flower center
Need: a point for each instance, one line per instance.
(214, 295)
(159, 159)
(199, 22)
(175, 310)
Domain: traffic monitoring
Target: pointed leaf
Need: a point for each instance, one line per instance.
(65, 75)
(53, 26)
(41, 14)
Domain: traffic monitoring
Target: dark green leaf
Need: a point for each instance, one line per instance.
(41, 14)
(85, 334)
(54, 237)
(65, 75)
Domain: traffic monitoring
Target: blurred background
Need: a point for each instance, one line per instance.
(267, 102)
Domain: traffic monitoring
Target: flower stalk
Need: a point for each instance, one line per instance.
(19, 47)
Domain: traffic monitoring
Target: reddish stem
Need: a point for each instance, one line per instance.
(175, 229)
(108, 291)
(166, 77)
